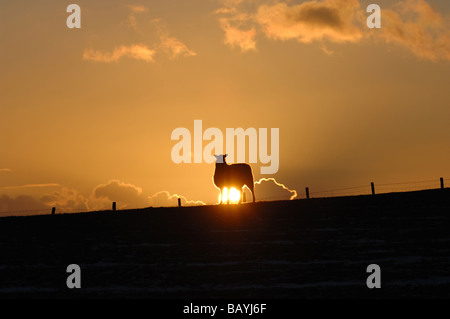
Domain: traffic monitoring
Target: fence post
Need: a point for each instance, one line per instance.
(53, 210)
(442, 182)
(307, 192)
(179, 202)
(114, 206)
(373, 188)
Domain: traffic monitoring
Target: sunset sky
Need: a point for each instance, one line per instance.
(86, 115)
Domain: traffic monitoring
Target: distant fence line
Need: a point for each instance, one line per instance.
(368, 189)
(379, 188)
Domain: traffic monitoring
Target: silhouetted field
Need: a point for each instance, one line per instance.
(316, 248)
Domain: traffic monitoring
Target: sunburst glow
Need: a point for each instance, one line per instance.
(233, 195)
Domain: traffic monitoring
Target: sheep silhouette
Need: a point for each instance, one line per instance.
(233, 175)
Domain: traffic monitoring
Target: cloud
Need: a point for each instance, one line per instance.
(68, 200)
(235, 37)
(238, 28)
(137, 8)
(326, 50)
(130, 196)
(127, 196)
(118, 191)
(65, 199)
(164, 199)
(131, 20)
(416, 26)
(137, 52)
(22, 203)
(31, 186)
(334, 20)
(172, 46)
(413, 24)
(270, 189)
(5, 170)
(309, 21)
(168, 44)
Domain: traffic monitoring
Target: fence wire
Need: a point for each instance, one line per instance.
(337, 192)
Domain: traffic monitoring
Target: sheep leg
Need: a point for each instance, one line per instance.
(221, 196)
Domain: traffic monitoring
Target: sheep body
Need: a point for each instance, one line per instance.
(233, 175)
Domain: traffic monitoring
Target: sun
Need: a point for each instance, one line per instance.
(233, 194)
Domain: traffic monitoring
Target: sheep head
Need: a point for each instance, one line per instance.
(221, 158)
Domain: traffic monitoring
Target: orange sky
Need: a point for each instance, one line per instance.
(87, 114)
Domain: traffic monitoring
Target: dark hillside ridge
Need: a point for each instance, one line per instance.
(308, 248)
